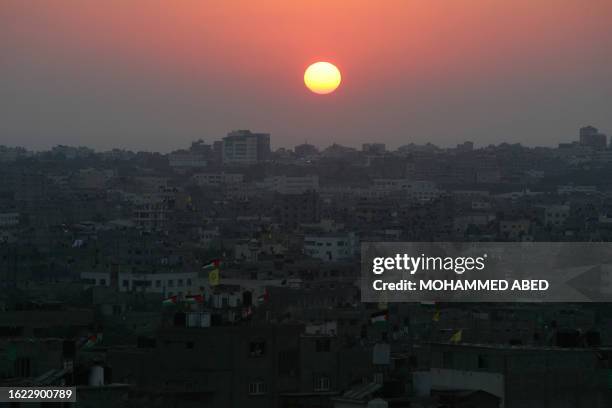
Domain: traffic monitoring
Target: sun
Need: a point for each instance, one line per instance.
(322, 77)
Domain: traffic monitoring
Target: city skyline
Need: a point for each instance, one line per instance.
(306, 203)
(158, 75)
(321, 147)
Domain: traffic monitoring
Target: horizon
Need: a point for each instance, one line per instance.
(320, 147)
(306, 203)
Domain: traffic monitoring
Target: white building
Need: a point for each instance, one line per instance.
(572, 189)
(604, 156)
(186, 160)
(208, 235)
(515, 228)
(8, 220)
(423, 191)
(250, 250)
(390, 185)
(150, 212)
(216, 179)
(556, 215)
(480, 205)
(152, 183)
(488, 176)
(470, 194)
(515, 195)
(420, 190)
(331, 247)
(90, 279)
(291, 184)
(166, 284)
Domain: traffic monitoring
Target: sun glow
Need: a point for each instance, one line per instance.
(322, 78)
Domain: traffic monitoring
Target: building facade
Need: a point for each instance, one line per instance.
(243, 147)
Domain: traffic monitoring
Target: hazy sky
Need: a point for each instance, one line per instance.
(154, 75)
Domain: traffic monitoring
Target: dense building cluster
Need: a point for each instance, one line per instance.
(227, 274)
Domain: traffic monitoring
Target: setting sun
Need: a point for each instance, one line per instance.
(322, 77)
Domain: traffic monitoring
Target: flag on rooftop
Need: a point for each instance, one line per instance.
(265, 297)
(92, 340)
(456, 338)
(194, 299)
(214, 264)
(380, 317)
(169, 301)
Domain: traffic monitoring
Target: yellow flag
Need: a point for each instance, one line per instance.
(213, 277)
(436, 316)
(456, 338)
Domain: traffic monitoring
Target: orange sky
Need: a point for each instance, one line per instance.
(156, 74)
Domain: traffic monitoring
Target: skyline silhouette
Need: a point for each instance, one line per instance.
(156, 75)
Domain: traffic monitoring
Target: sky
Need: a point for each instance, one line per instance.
(156, 74)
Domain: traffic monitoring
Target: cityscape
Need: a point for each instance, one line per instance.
(227, 274)
(306, 204)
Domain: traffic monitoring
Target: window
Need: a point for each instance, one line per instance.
(117, 310)
(257, 348)
(126, 283)
(189, 282)
(103, 282)
(180, 282)
(158, 284)
(288, 361)
(483, 361)
(170, 283)
(257, 388)
(447, 359)
(22, 367)
(323, 345)
(322, 383)
(141, 283)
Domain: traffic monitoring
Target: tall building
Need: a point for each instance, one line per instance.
(295, 209)
(465, 146)
(374, 148)
(306, 149)
(217, 155)
(245, 147)
(590, 136)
